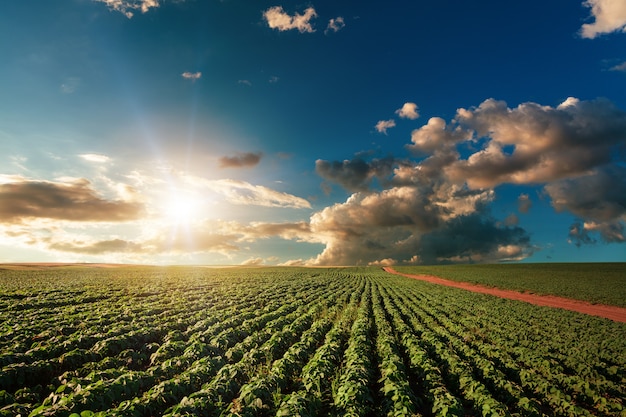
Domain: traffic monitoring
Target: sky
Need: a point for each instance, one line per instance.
(312, 133)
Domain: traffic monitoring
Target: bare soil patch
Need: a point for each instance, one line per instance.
(600, 310)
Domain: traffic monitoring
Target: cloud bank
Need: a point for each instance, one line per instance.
(437, 207)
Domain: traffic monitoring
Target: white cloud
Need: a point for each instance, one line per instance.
(609, 15)
(127, 7)
(242, 192)
(383, 125)
(93, 157)
(276, 18)
(408, 111)
(619, 67)
(191, 75)
(244, 82)
(335, 25)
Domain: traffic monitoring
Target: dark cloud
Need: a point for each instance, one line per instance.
(599, 195)
(74, 201)
(399, 223)
(356, 174)
(599, 198)
(476, 237)
(241, 160)
(582, 233)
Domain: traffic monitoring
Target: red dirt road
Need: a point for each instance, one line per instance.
(609, 312)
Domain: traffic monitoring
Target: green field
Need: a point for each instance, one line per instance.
(603, 283)
(192, 341)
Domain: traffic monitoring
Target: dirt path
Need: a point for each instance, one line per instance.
(609, 312)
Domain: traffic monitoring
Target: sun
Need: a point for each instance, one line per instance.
(182, 208)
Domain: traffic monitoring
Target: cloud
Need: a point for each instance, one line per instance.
(96, 247)
(276, 18)
(619, 67)
(581, 233)
(433, 224)
(193, 76)
(437, 135)
(71, 200)
(241, 160)
(355, 174)
(383, 125)
(253, 262)
(93, 157)
(274, 79)
(437, 209)
(532, 143)
(523, 203)
(335, 25)
(223, 237)
(127, 7)
(245, 82)
(299, 231)
(609, 15)
(599, 198)
(244, 193)
(408, 111)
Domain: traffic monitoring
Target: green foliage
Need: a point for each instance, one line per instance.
(189, 341)
(603, 283)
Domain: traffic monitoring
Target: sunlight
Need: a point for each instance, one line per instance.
(182, 208)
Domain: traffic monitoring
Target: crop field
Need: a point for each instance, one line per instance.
(192, 341)
(595, 282)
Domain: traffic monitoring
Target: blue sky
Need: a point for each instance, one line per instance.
(312, 133)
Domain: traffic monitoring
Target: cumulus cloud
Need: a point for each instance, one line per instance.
(193, 76)
(599, 197)
(437, 135)
(436, 209)
(277, 18)
(609, 15)
(383, 125)
(241, 160)
(533, 144)
(395, 223)
(128, 7)
(71, 200)
(335, 25)
(408, 111)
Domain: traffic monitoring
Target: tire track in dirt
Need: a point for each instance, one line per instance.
(600, 310)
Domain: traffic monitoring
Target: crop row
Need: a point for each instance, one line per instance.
(293, 341)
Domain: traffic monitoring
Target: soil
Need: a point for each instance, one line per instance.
(614, 313)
